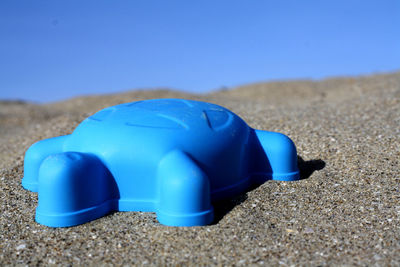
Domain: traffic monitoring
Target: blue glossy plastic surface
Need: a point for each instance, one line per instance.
(171, 156)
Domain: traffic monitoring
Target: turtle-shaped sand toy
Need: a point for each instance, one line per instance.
(174, 157)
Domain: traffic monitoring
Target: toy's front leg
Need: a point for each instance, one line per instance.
(184, 192)
(281, 155)
(74, 188)
(35, 155)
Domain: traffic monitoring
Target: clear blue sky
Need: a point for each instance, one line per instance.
(52, 50)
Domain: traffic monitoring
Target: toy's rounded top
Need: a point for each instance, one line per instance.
(153, 127)
(171, 114)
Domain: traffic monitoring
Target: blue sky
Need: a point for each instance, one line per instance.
(52, 50)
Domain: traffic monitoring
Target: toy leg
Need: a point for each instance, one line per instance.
(74, 188)
(34, 157)
(184, 193)
(281, 154)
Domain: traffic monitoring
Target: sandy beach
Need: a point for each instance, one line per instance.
(345, 210)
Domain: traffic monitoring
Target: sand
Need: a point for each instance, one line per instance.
(346, 210)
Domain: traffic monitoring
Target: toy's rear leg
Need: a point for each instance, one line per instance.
(184, 192)
(281, 154)
(74, 188)
(34, 157)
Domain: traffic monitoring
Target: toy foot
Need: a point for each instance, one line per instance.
(35, 155)
(74, 188)
(281, 154)
(184, 196)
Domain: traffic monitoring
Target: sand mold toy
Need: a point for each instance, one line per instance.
(174, 157)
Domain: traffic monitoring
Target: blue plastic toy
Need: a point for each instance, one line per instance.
(172, 156)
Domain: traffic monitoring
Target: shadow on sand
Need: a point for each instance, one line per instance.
(306, 168)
